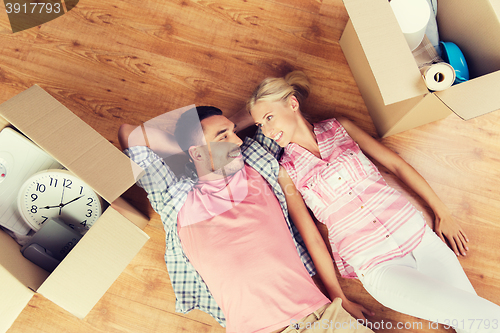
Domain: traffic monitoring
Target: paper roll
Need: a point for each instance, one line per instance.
(439, 76)
(413, 17)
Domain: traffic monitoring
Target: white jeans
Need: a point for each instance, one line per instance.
(429, 283)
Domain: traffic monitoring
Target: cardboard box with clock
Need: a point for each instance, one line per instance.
(73, 179)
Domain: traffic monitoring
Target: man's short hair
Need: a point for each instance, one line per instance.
(188, 130)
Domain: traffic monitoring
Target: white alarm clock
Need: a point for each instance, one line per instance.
(56, 193)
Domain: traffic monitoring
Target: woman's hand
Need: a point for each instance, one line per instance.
(445, 226)
(356, 310)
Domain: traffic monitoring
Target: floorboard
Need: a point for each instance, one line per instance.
(128, 61)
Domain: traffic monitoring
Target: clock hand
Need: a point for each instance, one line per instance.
(71, 201)
(61, 205)
(62, 196)
(47, 207)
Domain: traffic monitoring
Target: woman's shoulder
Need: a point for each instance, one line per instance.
(328, 124)
(286, 163)
(344, 122)
(286, 159)
(328, 128)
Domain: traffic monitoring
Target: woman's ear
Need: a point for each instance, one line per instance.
(294, 103)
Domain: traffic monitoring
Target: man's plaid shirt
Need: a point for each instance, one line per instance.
(167, 195)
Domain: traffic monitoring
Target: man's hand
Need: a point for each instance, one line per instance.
(162, 142)
(356, 310)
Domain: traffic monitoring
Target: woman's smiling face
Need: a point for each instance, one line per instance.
(277, 120)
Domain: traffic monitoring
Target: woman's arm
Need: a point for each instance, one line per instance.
(444, 223)
(316, 245)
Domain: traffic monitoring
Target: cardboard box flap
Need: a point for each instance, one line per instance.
(475, 27)
(67, 138)
(11, 259)
(15, 297)
(473, 98)
(130, 212)
(386, 49)
(3, 123)
(495, 4)
(94, 264)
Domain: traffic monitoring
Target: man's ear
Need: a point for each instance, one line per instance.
(195, 153)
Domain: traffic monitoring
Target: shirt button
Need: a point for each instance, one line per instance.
(386, 236)
(374, 221)
(362, 206)
(327, 164)
(340, 178)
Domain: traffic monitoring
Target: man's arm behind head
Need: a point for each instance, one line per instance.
(160, 141)
(124, 133)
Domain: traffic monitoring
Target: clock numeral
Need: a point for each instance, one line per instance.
(90, 202)
(67, 183)
(84, 223)
(45, 218)
(33, 197)
(89, 213)
(81, 189)
(40, 187)
(53, 181)
(34, 209)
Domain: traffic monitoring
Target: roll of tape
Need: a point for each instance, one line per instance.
(439, 76)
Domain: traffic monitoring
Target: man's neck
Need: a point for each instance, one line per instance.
(213, 176)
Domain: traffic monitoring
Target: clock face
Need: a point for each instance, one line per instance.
(58, 194)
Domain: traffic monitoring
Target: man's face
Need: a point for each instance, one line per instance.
(223, 155)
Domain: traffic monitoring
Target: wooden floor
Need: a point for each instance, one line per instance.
(127, 61)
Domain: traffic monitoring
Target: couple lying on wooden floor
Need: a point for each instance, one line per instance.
(241, 244)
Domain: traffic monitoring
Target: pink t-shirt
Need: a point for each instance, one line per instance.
(244, 252)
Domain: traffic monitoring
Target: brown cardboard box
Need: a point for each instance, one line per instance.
(389, 79)
(107, 248)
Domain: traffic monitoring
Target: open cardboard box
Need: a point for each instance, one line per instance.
(389, 79)
(102, 254)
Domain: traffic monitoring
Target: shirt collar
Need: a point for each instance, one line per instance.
(296, 151)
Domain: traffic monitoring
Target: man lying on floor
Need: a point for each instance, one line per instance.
(231, 250)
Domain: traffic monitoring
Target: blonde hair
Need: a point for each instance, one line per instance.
(281, 88)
